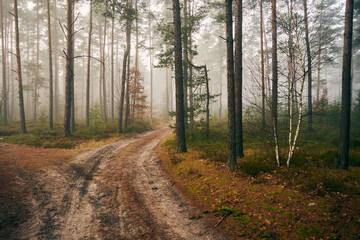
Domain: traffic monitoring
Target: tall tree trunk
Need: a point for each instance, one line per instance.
(12, 104)
(267, 61)
(232, 165)
(56, 63)
(3, 50)
(123, 77)
(342, 159)
(274, 102)
(151, 69)
(37, 73)
(101, 69)
(136, 57)
(167, 93)
(290, 63)
(319, 53)
(18, 60)
(171, 90)
(238, 79)
(221, 80)
(179, 80)
(190, 78)
(51, 110)
(27, 80)
(127, 107)
(104, 74)
(308, 52)
(137, 37)
(87, 113)
(69, 67)
(185, 64)
(262, 66)
(292, 142)
(112, 95)
(72, 123)
(207, 104)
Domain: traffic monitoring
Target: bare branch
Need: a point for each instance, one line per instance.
(62, 29)
(84, 56)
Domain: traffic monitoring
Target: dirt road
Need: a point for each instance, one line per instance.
(118, 191)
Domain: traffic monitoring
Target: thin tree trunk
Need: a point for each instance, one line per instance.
(319, 54)
(221, 80)
(232, 164)
(56, 63)
(292, 144)
(123, 77)
(72, 123)
(27, 80)
(274, 102)
(180, 117)
(112, 97)
(101, 70)
(342, 159)
(190, 78)
(4, 94)
(171, 91)
(127, 107)
(104, 74)
(18, 60)
(51, 110)
(69, 67)
(136, 57)
(12, 104)
(87, 113)
(151, 69)
(186, 56)
(318, 72)
(167, 93)
(290, 65)
(37, 62)
(262, 67)
(267, 61)
(238, 79)
(310, 128)
(207, 104)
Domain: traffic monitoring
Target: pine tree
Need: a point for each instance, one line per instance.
(19, 75)
(232, 165)
(180, 114)
(342, 159)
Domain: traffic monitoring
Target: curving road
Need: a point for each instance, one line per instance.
(118, 191)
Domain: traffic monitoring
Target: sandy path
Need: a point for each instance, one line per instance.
(118, 191)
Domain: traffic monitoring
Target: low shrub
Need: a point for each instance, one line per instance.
(253, 168)
(60, 143)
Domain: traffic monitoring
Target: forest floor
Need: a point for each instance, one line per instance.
(259, 201)
(113, 189)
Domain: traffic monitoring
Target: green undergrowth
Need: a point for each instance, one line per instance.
(308, 200)
(39, 136)
(311, 167)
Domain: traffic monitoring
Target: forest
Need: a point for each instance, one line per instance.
(180, 119)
